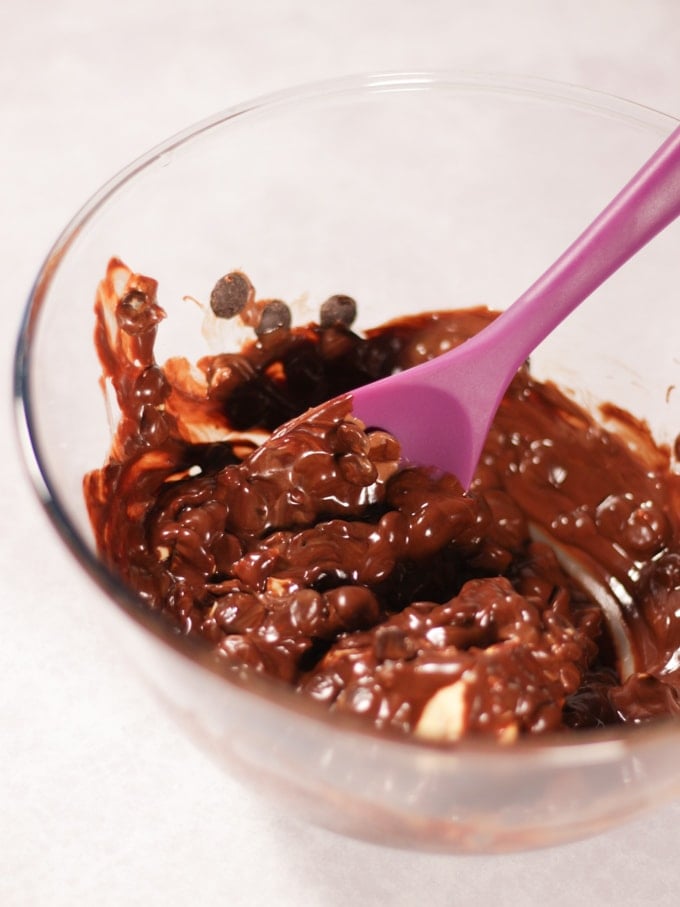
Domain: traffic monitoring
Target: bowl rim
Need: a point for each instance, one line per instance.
(590, 742)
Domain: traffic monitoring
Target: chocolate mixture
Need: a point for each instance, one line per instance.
(251, 511)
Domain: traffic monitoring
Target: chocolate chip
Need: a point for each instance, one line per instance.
(337, 309)
(154, 426)
(151, 386)
(275, 315)
(353, 606)
(230, 294)
(136, 313)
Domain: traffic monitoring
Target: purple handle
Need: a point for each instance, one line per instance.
(644, 207)
(441, 410)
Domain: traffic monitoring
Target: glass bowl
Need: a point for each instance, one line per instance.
(408, 192)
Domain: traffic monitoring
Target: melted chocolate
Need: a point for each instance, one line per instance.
(372, 586)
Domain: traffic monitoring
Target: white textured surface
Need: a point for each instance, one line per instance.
(100, 801)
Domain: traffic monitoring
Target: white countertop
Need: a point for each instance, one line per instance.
(101, 801)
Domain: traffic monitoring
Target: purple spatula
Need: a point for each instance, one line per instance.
(441, 410)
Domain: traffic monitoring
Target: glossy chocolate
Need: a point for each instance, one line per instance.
(543, 599)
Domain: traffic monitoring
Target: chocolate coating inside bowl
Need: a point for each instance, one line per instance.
(243, 499)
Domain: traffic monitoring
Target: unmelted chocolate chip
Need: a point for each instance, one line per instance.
(230, 294)
(337, 309)
(275, 315)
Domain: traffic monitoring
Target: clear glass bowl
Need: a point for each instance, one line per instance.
(409, 192)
